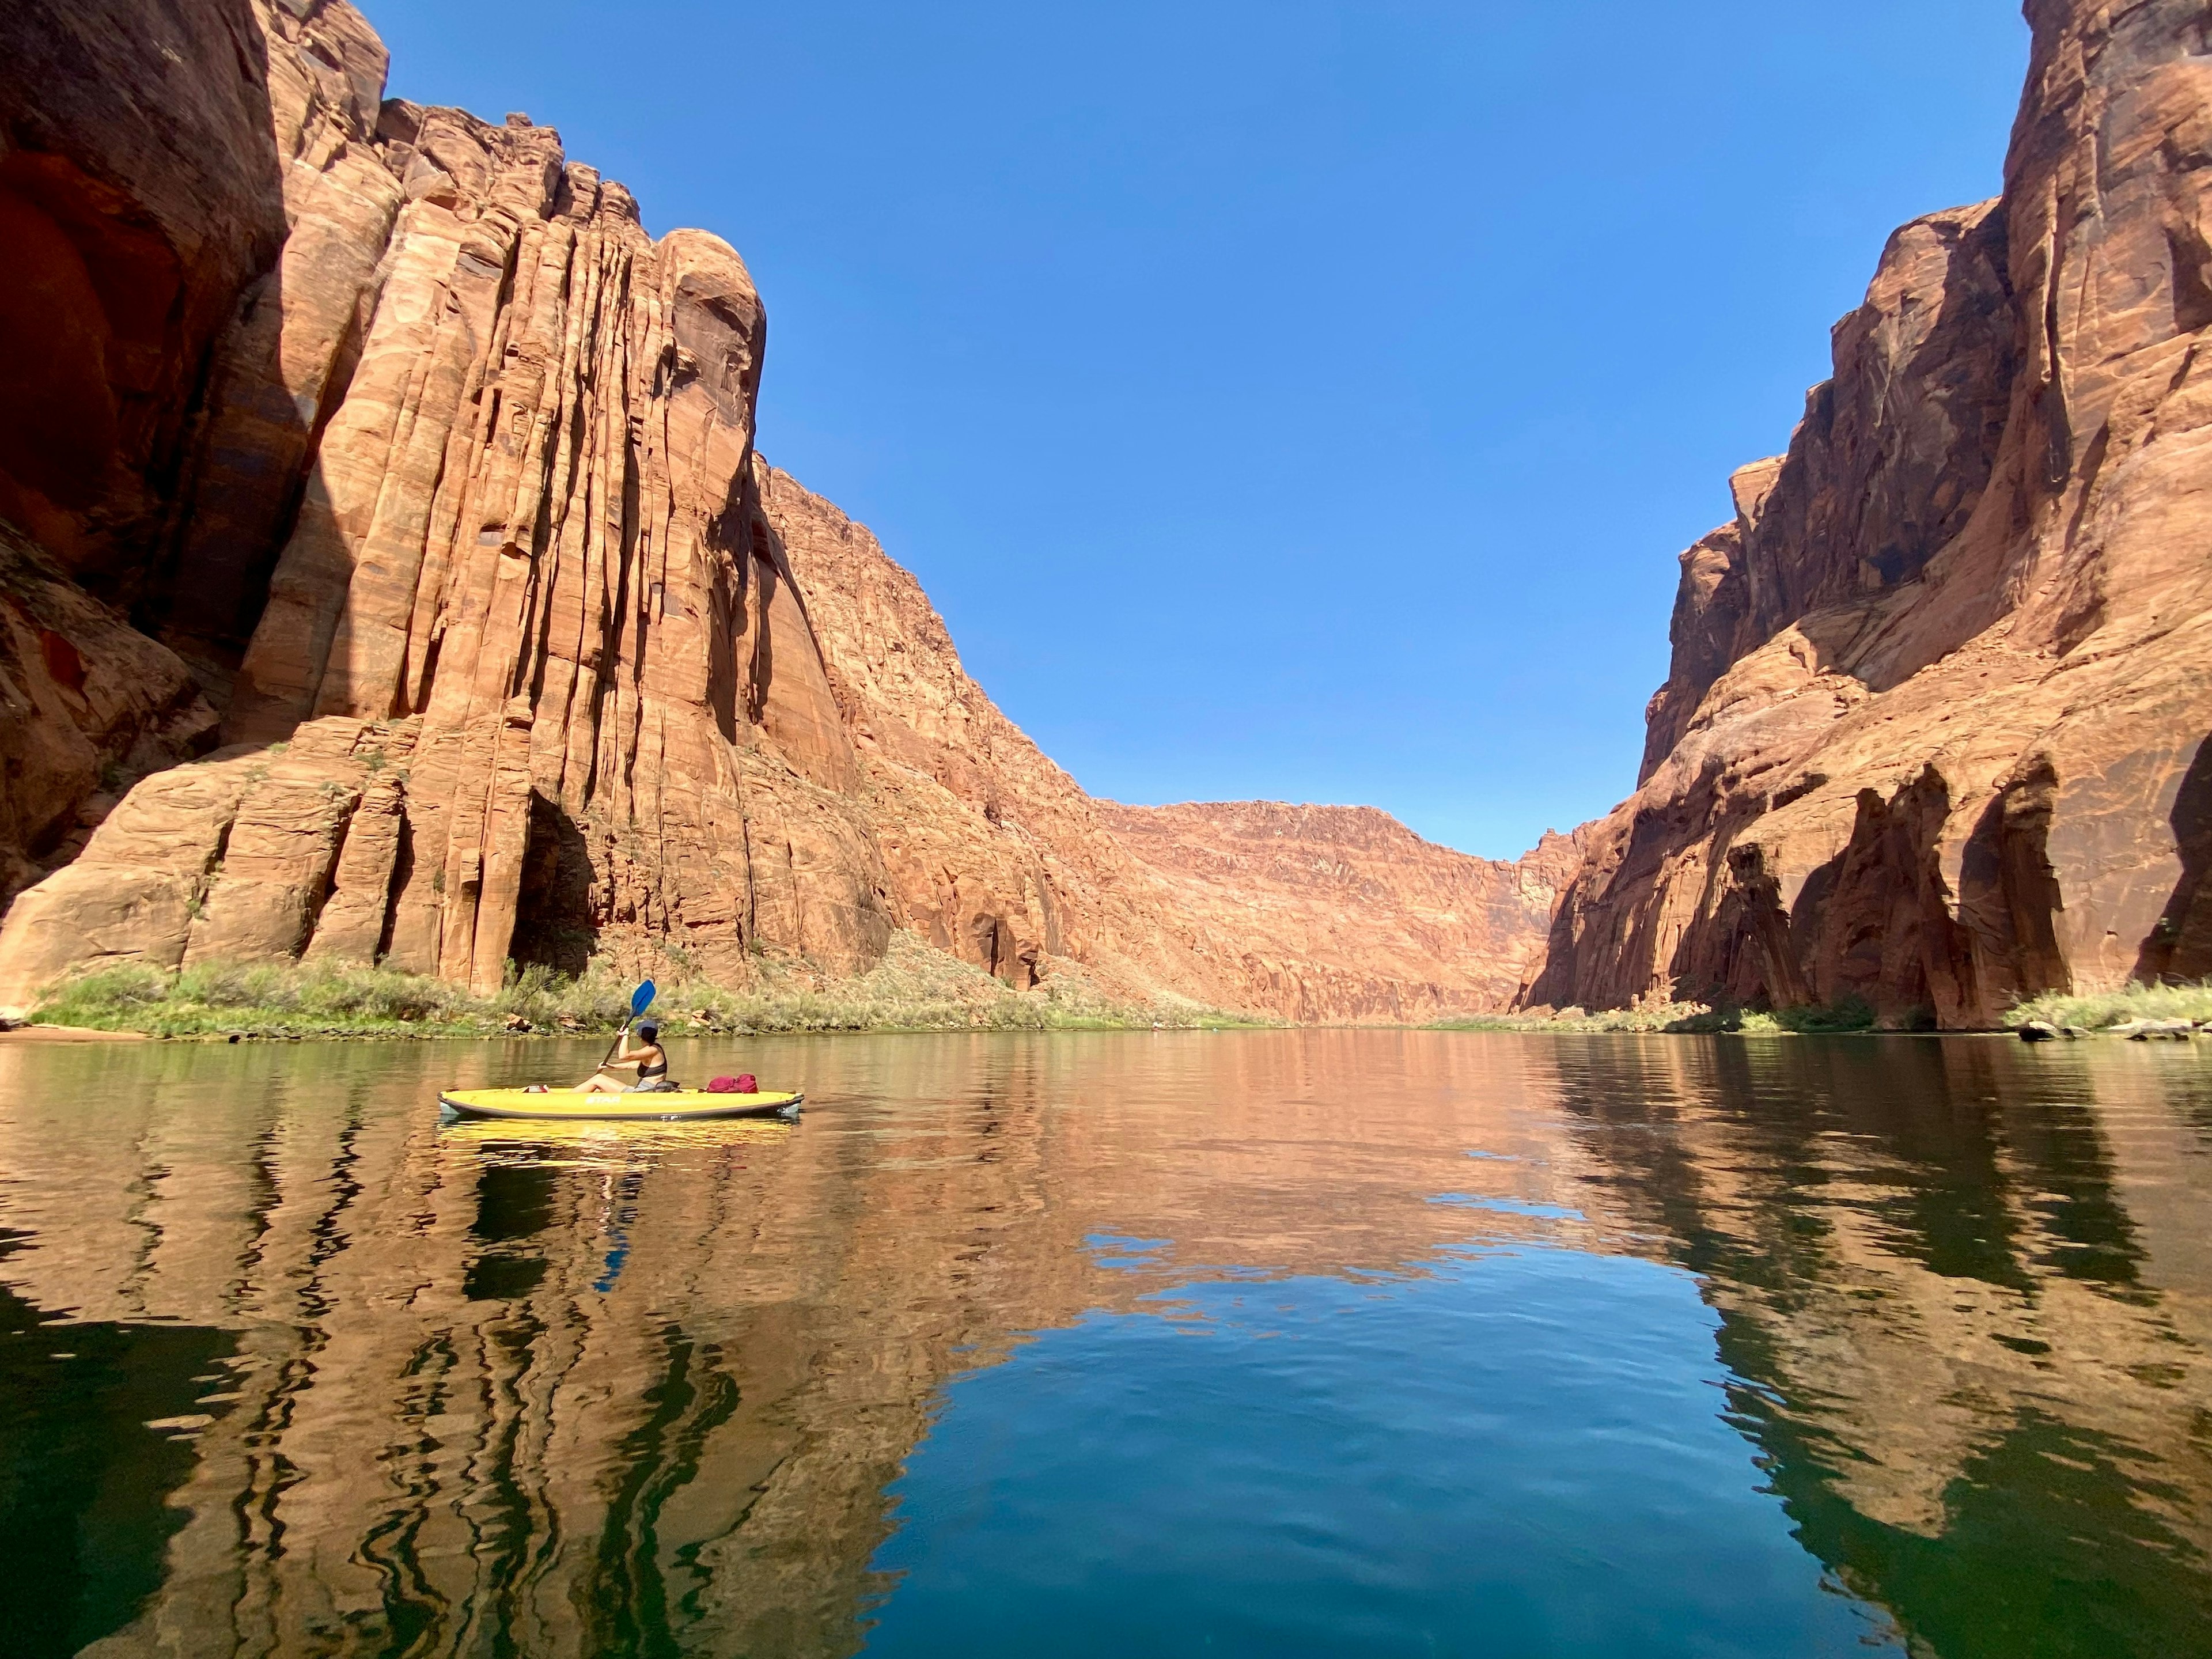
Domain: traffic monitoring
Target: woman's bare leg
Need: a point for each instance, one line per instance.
(599, 1083)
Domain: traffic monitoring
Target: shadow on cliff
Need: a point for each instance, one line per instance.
(2181, 944)
(1878, 926)
(556, 923)
(143, 213)
(741, 665)
(145, 228)
(2009, 898)
(1869, 928)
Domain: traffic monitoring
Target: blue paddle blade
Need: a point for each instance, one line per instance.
(641, 1000)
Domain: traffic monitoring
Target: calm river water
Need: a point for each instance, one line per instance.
(1254, 1343)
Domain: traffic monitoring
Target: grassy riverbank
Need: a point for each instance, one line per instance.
(2093, 1012)
(914, 989)
(1685, 1018)
(2097, 1011)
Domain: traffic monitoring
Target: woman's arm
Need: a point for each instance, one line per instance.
(623, 1061)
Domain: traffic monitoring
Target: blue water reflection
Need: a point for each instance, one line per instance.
(1520, 1452)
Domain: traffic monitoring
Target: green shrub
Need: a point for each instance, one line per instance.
(1850, 1013)
(1684, 1019)
(1651, 1016)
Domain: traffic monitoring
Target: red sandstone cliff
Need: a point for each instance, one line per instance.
(390, 576)
(1935, 733)
(454, 497)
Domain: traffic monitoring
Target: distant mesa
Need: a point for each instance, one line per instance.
(1343, 913)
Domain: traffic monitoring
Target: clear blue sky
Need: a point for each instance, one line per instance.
(1298, 398)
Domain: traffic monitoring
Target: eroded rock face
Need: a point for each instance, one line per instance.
(141, 186)
(1936, 730)
(437, 483)
(516, 529)
(1342, 912)
(439, 448)
(88, 705)
(147, 159)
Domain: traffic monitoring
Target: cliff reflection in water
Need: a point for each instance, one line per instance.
(642, 1390)
(1967, 1290)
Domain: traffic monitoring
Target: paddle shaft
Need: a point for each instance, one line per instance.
(611, 1047)
(640, 999)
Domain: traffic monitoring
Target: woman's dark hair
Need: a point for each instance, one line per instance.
(649, 1032)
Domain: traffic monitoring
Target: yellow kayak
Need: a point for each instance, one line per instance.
(567, 1106)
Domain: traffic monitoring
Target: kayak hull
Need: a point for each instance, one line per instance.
(567, 1106)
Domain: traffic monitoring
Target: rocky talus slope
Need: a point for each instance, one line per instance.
(391, 576)
(1935, 733)
(1345, 912)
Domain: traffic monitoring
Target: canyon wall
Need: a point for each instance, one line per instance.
(457, 531)
(391, 576)
(1935, 734)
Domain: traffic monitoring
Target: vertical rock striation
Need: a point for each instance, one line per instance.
(1936, 730)
(466, 480)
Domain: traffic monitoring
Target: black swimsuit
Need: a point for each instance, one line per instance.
(653, 1079)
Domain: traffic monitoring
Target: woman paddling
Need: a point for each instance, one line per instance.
(649, 1060)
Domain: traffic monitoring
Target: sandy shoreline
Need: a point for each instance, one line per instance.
(69, 1034)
